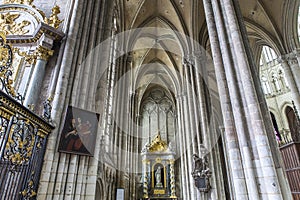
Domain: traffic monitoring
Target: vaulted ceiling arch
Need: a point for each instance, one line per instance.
(157, 68)
(256, 31)
(290, 23)
(162, 26)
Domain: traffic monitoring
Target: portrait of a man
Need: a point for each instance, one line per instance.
(79, 132)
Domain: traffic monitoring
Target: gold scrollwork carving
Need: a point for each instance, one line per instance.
(6, 67)
(172, 161)
(4, 56)
(53, 20)
(28, 2)
(9, 25)
(29, 58)
(158, 160)
(43, 53)
(29, 192)
(40, 52)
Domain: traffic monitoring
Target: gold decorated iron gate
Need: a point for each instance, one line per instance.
(23, 137)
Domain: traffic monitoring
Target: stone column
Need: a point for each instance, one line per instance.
(295, 68)
(189, 127)
(233, 96)
(183, 148)
(296, 53)
(201, 80)
(37, 77)
(290, 78)
(255, 122)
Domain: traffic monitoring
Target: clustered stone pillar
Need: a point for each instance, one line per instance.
(187, 113)
(230, 137)
(250, 159)
(290, 77)
(182, 147)
(293, 62)
(36, 80)
(77, 80)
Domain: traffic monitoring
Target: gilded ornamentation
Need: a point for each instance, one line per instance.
(3, 125)
(20, 142)
(9, 25)
(172, 177)
(157, 145)
(53, 20)
(23, 137)
(29, 192)
(6, 56)
(158, 160)
(28, 2)
(43, 53)
(29, 58)
(145, 186)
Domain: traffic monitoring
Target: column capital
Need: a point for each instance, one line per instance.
(188, 60)
(282, 59)
(129, 57)
(292, 59)
(296, 52)
(43, 53)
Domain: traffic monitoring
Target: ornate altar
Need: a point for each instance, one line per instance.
(158, 170)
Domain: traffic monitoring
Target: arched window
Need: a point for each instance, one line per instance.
(158, 114)
(267, 55)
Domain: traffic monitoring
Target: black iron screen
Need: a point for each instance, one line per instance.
(23, 137)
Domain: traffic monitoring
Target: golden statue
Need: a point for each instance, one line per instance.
(158, 144)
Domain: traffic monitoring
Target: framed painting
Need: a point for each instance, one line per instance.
(79, 132)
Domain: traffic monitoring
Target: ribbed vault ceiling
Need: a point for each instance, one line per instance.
(265, 22)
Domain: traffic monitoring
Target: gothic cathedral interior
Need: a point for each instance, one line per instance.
(149, 99)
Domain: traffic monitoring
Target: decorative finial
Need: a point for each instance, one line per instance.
(54, 21)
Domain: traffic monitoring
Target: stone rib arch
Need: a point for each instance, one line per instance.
(174, 78)
(265, 36)
(289, 23)
(180, 37)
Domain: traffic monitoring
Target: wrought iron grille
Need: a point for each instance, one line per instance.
(23, 137)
